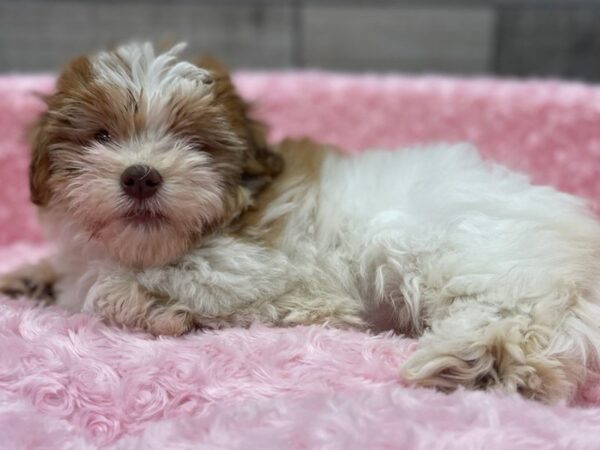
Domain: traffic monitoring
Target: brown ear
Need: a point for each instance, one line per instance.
(76, 73)
(39, 168)
(261, 164)
(215, 66)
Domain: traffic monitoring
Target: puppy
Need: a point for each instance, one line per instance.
(169, 213)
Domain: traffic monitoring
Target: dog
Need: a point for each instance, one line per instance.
(170, 212)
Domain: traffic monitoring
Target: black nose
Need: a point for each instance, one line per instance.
(140, 182)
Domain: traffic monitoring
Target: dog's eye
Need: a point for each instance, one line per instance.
(102, 137)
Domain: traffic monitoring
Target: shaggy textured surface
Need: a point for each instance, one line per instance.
(70, 382)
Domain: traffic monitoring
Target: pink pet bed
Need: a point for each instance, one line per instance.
(71, 382)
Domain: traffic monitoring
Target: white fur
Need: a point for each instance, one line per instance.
(156, 76)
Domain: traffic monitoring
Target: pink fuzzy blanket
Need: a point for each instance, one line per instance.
(70, 382)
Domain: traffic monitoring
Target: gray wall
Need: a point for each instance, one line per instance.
(559, 38)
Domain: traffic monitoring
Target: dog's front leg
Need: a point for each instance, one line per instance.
(121, 299)
(226, 283)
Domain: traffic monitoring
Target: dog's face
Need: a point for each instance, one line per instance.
(146, 154)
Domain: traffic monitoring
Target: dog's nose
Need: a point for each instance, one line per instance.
(140, 182)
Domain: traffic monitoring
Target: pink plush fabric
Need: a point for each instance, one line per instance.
(70, 382)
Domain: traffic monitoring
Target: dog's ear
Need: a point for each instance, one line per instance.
(261, 163)
(216, 67)
(76, 73)
(39, 168)
(42, 135)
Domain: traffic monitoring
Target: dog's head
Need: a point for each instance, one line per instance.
(146, 153)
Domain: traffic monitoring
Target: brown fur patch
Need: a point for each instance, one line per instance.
(260, 161)
(48, 130)
(302, 161)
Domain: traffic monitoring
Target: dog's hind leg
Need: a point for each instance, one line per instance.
(34, 281)
(503, 350)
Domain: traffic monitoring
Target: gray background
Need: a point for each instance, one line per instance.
(543, 38)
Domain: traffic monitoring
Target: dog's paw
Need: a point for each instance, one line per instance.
(34, 282)
(121, 300)
(507, 364)
(169, 321)
(446, 372)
